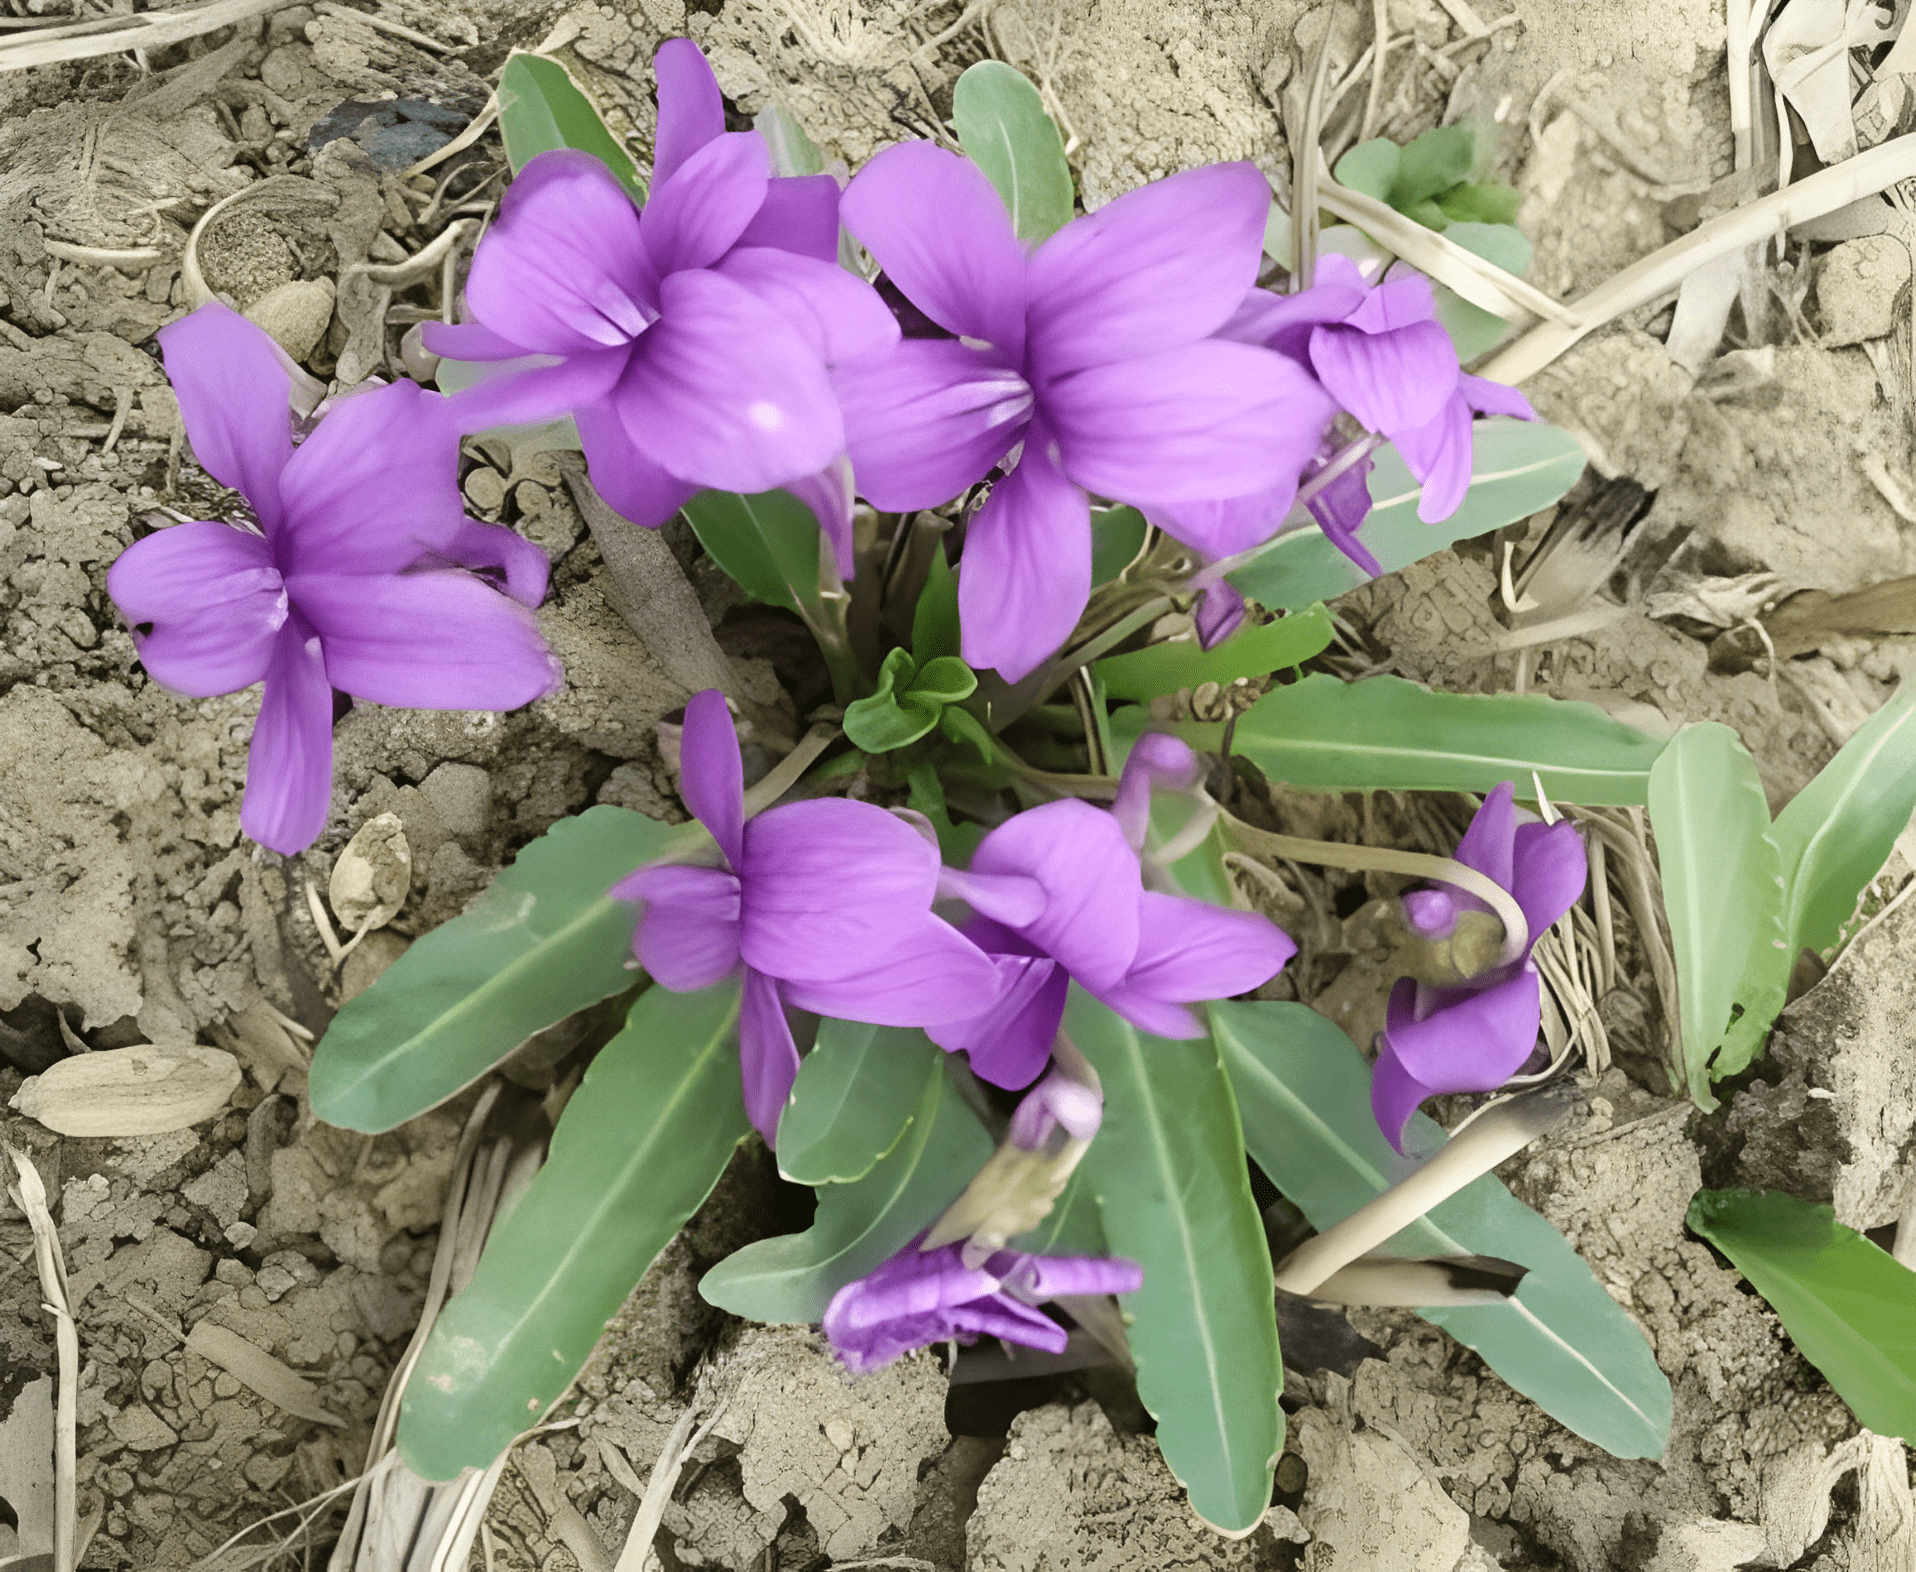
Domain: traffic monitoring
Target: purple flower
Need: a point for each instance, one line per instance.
(920, 1297)
(1059, 895)
(1381, 353)
(690, 341)
(1474, 1037)
(1057, 1102)
(1087, 366)
(1220, 613)
(352, 583)
(825, 905)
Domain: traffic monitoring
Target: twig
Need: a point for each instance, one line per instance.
(149, 30)
(1306, 158)
(397, 29)
(658, 1488)
(99, 256)
(1380, 50)
(480, 124)
(30, 1195)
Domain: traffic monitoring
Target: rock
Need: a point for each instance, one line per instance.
(221, 1189)
(142, 1429)
(1369, 1503)
(295, 314)
(147, 1090)
(486, 489)
(1857, 285)
(368, 963)
(1711, 1546)
(462, 795)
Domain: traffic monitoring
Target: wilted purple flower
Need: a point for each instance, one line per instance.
(692, 338)
(1084, 367)
(353, 582)
(1380, 352)
(826, 905)
(1057, 1102)
(1059, 895)
(920, 1297)
(1474, 1037)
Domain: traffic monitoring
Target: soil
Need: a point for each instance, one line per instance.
(132, 910)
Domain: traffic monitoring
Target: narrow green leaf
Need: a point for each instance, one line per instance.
(1433, 162)
(767, 541)
(1722, 881)
(964, 728)
(1837, 832)
(1384, 733)
(1005, 131)
(638, 1148)
(1371, 167)
(1168, 1168)
(934, 622)
(853, 1099)
(1117, 535)
(544, 941)
(1255, 650)
(1562, 1341)
(793, 152)
(541, 109)
(793, 1277)
(1517, 467)
(1849, 1306)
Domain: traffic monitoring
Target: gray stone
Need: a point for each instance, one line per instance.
(1857, 287)
(462, 796)
(142, 1429)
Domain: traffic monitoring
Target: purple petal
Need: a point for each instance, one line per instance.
(1432, 913)
(1144, 1010)
(1156, 759)
(1091, 921)
(1473, 1039)
(538, 388)
(1010, 1044)
(1161, 266)
(1439, 454)
(1220, 613)
(1000, 1316)
(376, 487)
(687, 937)
(930, 973)
(1284, 322)
(691, 112)
(694, 217)
(939, 230)
(712, 773)
(911, 1283)
(1224, 528)
(767, 1055)
(562, 270)
(1207, 420)
(1550, 868)
(1056, 1102)
(799, 214)
(1395, 1094)
(1007, 899)
(1389, 381)
(1341, 507)
(1190, 951)
(440, 640)
(838, 313)
(1488, 843)
(722, 393)
(928, 418)
(627, 478)
(1397, 303)
(234, 395)
(289, 768)
(830, 494)
(1026, 572)
(1053, 1276)
(495, 551)
(472, 341)
(1493, 398)
(215, 601)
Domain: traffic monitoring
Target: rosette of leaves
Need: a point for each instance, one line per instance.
(911, 700)
(1429, 179)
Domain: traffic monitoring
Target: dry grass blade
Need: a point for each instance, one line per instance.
(679, 1446)
(150, 30)
(30, 1195)
(1665, 269)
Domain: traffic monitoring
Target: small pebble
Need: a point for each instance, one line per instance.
(486, 489)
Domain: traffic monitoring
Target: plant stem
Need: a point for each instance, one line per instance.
(1388, 859)
(1100, 786)
(784, 775)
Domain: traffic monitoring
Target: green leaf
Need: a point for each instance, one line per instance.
(887, 719)
(934, 622)
(1486, 202)
(945, 680)
(1168, 1168)
(1074, 1226)
(1837, 832)
(1004, 130)
(1518, 466)
(767, 541)
(964, 728)
(1371, 167)
(793, 1277)
(1562, 1341)
(793, 152)
(1117, 536)
(1722, 881)
(852, 1100)
(1427, 213)
(1388, 734)
(1849, 1306)
(541, 109)
(545, 940)
(639, 1146)
(1499, 244)
(1255, 650)
(1433, 163)
(1473, 331)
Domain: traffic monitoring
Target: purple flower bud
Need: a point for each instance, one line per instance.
(1220, 613)
(1157, 761)
(920, 1297)
(1057, 1102)
(1474, 1037)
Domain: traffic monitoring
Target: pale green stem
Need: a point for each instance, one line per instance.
(784, 775)
(1092, 649)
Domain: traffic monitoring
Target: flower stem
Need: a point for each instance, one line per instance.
(1099, 786)
(1388, 859)
(783, 776)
